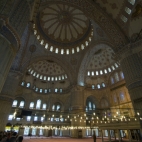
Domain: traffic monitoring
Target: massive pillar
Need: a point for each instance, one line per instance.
(7, 55)
(6, 96)
(5, 106)
(77, 99)
(77, 109)
(131, 63)
(14, 16)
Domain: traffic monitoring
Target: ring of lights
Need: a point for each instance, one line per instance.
(63, 29)
(38, 75)
(47, 70)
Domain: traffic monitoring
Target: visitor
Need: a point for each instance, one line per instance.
(30, 135)
(13, 137)
(94, 136)
(4, 138)
(19, 138)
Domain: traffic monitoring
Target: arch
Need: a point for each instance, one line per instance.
(86, 59)
(94, 103)
(56, 106)
(18, 102)
(122, 95)
(38, 104)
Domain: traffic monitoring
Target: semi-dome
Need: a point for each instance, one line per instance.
(47, 70)
(102, 62)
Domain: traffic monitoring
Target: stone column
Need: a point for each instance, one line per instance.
(6, 96)
(77, 107)
(131, 64)
(5, 106)
(77, 95)
(6, 53)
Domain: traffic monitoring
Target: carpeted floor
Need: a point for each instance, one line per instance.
(65, 139)
(59, 140)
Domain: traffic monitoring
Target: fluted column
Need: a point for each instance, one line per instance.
(132, 68)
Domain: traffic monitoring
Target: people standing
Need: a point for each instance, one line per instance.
(94, 136)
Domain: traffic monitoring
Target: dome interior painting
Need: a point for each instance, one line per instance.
(63, 28)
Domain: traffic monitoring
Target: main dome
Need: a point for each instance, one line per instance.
(63, 27)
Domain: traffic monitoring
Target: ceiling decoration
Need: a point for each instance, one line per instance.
(102, 62)
(101, 59)
(112, 7)
(48, 67)
(63, 29)
(47, 70)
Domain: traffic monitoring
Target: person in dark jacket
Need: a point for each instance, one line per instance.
(19, 138)
(13, 137)
(94, 136)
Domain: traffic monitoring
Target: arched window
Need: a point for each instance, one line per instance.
(21, 104)
(23, 83)
(122, 75)
(28, 85)
(31, 105)
(93, 86)
(44, 106)
(122, 97)
(116, 77)
(92, 73)
(56, 107)
(98, 86)
(112, 80)
(109, 69)
(103, 85)
(101, 72)
(128, 10)
(61, 90)
(35, 118)
(123, 18)
(105, 70)
(88, 73)
(131, 1)
(53, 107)
(89, 105)
(14, 103)
(38, 104)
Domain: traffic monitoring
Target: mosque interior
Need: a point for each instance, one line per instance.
(71, 68)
